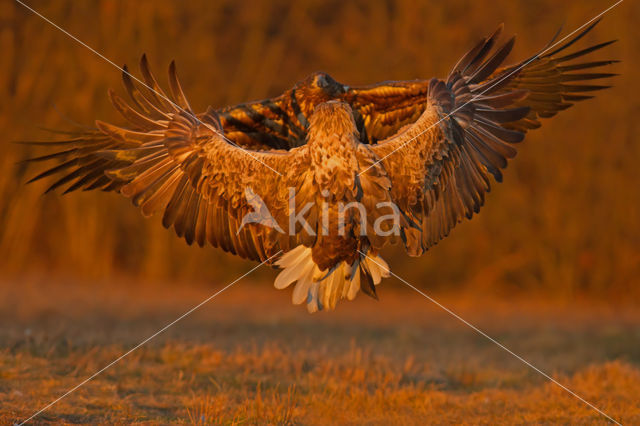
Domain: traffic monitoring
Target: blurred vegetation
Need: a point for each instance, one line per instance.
(564, 222)
(252, 358)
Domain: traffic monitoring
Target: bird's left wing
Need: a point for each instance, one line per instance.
(440, 166)
(387, 106)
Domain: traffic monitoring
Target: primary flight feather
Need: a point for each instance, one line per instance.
(319, 179)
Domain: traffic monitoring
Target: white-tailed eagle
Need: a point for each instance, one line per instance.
(424, 150)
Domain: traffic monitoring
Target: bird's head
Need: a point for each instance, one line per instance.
(322, 86)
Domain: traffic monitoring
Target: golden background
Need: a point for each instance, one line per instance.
(564, 222)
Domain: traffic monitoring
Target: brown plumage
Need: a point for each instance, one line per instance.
(424, 150)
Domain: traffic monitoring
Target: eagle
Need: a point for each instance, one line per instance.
(317, 181)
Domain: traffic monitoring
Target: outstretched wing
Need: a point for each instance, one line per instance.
(440, 165)
(180, 164)
(388, 106)
(548, 77)
(267, 124)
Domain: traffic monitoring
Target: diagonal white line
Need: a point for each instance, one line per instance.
(494, 84)
(246, 151)
(46, 407)
(482, 333)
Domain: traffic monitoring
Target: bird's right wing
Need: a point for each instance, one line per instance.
(205, 187)
(169, 160)
(266, 124)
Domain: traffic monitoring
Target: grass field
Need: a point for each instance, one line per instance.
(249, 357)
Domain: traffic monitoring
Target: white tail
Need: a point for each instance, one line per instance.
(323, 289)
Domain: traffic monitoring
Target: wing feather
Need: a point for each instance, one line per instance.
(439, 166)
(180, 164)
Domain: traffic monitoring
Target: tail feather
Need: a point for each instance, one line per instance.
(378, 268)
(354, 286)
(301, 290)
(292, 263)
(321, 289)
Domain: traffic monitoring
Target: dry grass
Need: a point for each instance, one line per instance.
(249, 357)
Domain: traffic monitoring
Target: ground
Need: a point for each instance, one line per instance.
(249, 357)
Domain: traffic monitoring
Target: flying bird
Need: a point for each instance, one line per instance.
(319, 179)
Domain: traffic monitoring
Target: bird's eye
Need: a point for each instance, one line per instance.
(321, 81)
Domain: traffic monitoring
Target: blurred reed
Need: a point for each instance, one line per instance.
(564, 222)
